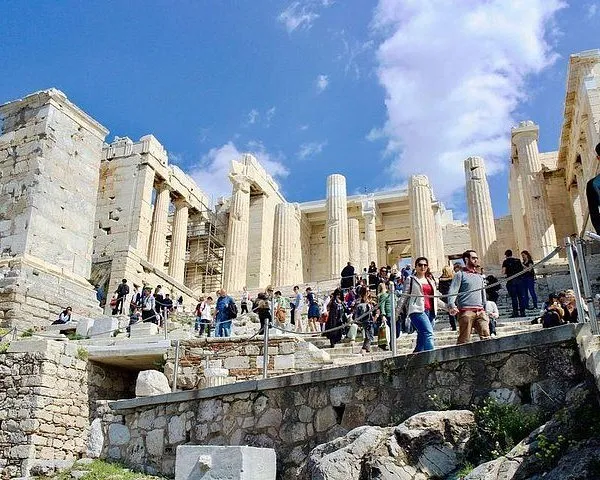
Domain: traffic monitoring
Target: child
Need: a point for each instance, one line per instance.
(492, 310)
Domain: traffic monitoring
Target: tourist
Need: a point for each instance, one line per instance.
(298, 306)
(492, 287)
(313, 310)
(372, 276)
(569, 305)
(365, 276)
(382, 277)
(528, 281)
(512, 266)
(158, 302)
(384, 302)
(422, 306)
(148, 304)
(203, 316)
(347, 274)
(363, 314)
(100, 295)
(167, 307)
(64, 317)
(244, 301)
(457, 267)
(466, 299)
(224, 314)
(335, 318)
(493, 314)
(592, 192)
(262, 306)
(121, 291)
(406, 272)
(552, 314)
(444, 287)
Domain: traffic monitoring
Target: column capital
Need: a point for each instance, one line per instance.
(525, 132)
(180, 203)
(240, 182)
(419, 181)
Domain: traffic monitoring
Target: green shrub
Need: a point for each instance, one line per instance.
(28, 333)
(82, 353)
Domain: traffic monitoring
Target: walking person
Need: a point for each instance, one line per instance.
(467, 300)
(335, 317)
(224, 314)
(511, 266)
(363, 313)
(422, 306)
(372, 272)
(148, 305)
(313, 310)
(444, 287)
(245, 301)
(298, 307)
(347, 274)
(528, 280)
(122, 291)
(203, 316)
(263, 309)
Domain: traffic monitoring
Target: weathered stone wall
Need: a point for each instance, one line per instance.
(47, 397)
(456, 239)
(293, 414)
(241, 359)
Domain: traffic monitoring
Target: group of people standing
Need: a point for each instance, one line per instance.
(521, 287)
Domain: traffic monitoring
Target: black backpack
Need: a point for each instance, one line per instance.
(231, 310)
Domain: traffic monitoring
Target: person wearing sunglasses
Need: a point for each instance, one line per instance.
(467, 300)
(422, 306)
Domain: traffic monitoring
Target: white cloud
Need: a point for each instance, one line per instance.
(302, 14)
(352, 52)
(212, 172)
(454, 73)
(303, 127)
(322, 83)
(310, 149)
(253, 116)
(591, 9)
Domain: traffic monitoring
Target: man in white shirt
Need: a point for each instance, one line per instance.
(298, 304)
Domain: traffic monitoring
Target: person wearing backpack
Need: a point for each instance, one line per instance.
(226, 311)
(363, 313)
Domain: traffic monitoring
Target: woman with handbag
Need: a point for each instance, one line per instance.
(421, 306)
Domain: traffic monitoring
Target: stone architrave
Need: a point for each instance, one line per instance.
(370, 215)
(236, 250)
(337, 224)
(422, 220)
(287, 251)
(538, 219)
(158, 234)
(179, 241)
(481, 217)
(364, 254)
(354, 243)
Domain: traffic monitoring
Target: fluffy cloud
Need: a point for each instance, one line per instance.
(253, 116)
(302, 14)
(212, 172)
(310, 149)
(454, 73)
(322, 83)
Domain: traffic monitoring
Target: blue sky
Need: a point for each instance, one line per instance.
(373, 90)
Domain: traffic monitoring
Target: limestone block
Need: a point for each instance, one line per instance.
(104, 327)
(151, 382)
(284, 362)
(237, 362)
(220, 463)
(145, 329)
(118, 434)
(95, 439)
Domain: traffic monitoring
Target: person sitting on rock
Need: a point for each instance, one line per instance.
(63, 317)
(553, 312)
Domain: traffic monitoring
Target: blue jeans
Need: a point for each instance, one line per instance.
(224, 329)
(423, 324)
(529, 289)
(517, 293)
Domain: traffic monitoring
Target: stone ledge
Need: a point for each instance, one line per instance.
(512, 343)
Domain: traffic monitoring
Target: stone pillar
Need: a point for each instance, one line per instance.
(354, 243)
(538, 218)
(369, 211)
(236, 249)
(439, 236)
(158, 234)
(481, 216)
(179, 241)
(517, 211)
(421, 220)
(578, 198)
(364, 254)
(287, 252)
(337, 224)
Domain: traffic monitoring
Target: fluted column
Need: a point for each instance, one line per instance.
(439, 237)
(538, 219)
(287, 251)
(517, 210)
(421, 220)
(481, 216)
(337, 224)
(179, 241)
(354, 242)
(236, 249)
(158, 233)
(370, 215)
(364, 254)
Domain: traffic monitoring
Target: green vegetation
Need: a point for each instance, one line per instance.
(465, 469)
(28, 333)
(101, 470)
(4, 347)
(82, 353)
(75, 336)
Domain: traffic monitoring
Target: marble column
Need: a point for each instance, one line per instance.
(236, 249)
(517, 211)
(422, 220)
(158, 233)
(337, 224)
(578, 199)
(481, 216)
(538, 218)
(354, 243)
(179, 241)
(364, 254)
(439, 236)
(369, 211)
(287, 251)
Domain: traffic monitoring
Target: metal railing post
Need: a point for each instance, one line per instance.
(266, 342)
(176, 368)
(393, 319)
(587, 289)
(574, 278)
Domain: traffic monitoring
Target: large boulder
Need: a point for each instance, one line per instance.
(151, 382)
(429, 444)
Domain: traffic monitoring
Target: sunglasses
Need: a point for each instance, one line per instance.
(422, 265)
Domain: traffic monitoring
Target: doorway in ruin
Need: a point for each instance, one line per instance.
(398, 252)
